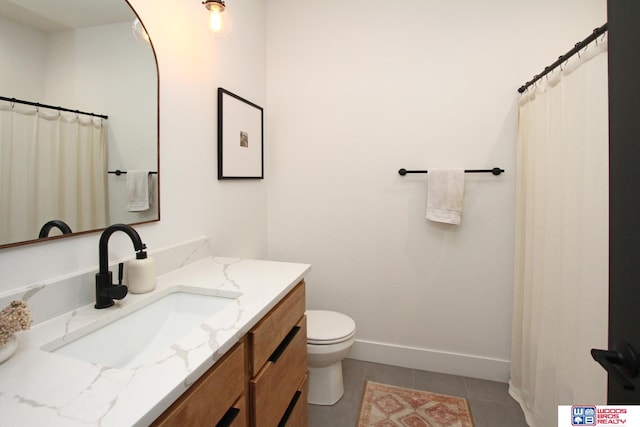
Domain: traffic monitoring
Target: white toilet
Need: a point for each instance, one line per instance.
(330, 336)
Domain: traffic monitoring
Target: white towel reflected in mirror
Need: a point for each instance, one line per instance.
(138, 190)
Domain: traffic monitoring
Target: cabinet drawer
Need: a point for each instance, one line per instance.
(296, 414)
(212, 395)
(274, 327)
(277, 382)
(239, 419)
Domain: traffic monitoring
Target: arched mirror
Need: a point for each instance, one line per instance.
(94, 160)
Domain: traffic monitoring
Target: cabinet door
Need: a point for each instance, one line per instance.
(274, 327)
(210, 398)
(236, 416)
(296, 415)
(274, 387)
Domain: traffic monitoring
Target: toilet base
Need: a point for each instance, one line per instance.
(325, 384)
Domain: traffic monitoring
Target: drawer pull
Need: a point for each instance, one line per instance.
(290, 408)
(284, 344)
(228, 418)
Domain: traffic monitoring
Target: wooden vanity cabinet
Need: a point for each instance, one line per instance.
(260, 382)
(218, 398)
(278, 364)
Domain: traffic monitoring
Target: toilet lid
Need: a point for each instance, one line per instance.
(328, 327)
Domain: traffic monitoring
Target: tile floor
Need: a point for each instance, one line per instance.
(491, 405)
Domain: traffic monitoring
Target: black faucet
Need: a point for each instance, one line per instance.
(59, 224)
(106, 291)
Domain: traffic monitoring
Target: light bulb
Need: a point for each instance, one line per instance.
(220, 21)
(215, 20)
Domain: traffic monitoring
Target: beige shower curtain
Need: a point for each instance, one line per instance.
(52, 166)
(561, 265)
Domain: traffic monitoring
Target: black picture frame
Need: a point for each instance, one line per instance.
(240, 137)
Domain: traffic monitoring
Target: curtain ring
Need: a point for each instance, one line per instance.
(561, 58)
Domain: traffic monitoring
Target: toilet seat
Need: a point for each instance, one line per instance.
(328, 327)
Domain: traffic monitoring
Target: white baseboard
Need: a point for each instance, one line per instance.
(431, 360)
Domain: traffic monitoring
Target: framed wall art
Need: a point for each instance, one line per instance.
(240, 137)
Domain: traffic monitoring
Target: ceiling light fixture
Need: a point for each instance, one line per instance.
(217, 24)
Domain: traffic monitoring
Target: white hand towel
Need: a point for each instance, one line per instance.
(445, 195)
(137, 190)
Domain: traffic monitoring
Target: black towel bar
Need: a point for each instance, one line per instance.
(495, 171)
(118, 172)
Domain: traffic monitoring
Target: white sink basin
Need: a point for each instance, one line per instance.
(145, 334)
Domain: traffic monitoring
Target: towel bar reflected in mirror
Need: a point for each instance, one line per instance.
(495, 171)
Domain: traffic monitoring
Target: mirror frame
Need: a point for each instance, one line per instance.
(84, 232)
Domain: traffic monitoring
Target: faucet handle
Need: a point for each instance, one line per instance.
(117, 291)
(120, 272)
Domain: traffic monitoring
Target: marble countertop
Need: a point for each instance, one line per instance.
(42, 388)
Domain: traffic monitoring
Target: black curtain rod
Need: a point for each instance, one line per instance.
(52, 107)
(596, 33)
(495, 171)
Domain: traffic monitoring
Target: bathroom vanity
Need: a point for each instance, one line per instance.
(244, 366)
(275, 355)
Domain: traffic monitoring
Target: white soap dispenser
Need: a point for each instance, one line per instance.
(141, 273)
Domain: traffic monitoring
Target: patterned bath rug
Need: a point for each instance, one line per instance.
(390, 406)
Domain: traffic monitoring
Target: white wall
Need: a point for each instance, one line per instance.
(25, 50)
(357, 90)
(194, 203)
